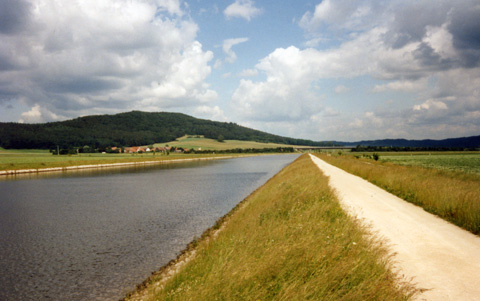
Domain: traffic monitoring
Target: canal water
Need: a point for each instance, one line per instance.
(95, 234)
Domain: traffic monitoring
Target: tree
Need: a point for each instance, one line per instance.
(220, 138)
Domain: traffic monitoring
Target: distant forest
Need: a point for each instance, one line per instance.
(129, 129)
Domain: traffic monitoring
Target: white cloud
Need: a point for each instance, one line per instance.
(340, 89)
(104, 56)
(352, 15)
(209, 112)
(403, 85)
(38, 114)
(422, 57)
(248, 73)
(430, 105)
(227, 48)
(242, 9)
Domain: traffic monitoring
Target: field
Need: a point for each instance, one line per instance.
(198, 142)
(461, 161)
(445, 184)
(34, 159)
(290, 240)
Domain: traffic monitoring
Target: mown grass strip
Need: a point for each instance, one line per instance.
(290, 240)
(452, 195)
(16, 161)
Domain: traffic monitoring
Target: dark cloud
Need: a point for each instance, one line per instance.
(82, 85)
(431, 60)
(411, 21)
(5, 63)
(465, 29)
(14, 15)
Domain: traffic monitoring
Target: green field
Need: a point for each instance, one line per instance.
(200, 143)
(34, 159)
(461, 161)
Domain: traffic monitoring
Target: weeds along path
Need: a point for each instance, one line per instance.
(439, 256)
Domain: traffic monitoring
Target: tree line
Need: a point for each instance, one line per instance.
(368, 148)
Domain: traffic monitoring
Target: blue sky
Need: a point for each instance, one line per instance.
(322, 70)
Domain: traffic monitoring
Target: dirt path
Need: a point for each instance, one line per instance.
(439, 256)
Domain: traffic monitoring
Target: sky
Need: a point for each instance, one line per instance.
(342, 70)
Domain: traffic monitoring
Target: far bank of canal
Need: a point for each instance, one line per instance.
(95, 234)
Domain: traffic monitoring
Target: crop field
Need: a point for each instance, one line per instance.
(198, 142)
(466, 162)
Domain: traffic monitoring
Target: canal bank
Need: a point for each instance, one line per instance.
(108, 165)
(289, 239)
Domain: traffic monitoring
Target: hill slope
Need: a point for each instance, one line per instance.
(128, 129)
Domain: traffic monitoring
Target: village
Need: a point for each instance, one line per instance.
(148, 149)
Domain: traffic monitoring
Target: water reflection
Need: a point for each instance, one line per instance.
(97, 233)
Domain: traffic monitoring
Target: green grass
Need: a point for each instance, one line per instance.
(290, 240)
(466, 162)
(450, 193)
(28, 159)
(196, 142)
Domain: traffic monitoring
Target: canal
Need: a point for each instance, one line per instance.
(95, 234)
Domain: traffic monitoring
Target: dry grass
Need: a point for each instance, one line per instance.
(452, 195)
(290, 240)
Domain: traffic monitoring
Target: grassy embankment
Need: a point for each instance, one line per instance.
(289, 240)
(444, 189)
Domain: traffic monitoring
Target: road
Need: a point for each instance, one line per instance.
(438, 255)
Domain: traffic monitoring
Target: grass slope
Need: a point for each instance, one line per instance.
(290, 240)
(452, 195)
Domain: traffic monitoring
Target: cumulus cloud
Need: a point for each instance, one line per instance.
(69, 58)
(351, 15)
(242, 9)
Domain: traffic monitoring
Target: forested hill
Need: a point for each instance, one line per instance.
(129, 129)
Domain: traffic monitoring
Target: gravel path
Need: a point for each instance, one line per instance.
(439, 256)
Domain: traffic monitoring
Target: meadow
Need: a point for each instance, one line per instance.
(289, 240)
(455, 161)
(445, 184)
(199, 142)
(35, 159)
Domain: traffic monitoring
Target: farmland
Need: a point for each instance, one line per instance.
(199, 142)
(460, 161)
(34, 159)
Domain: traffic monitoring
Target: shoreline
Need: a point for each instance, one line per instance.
(159, 278)
(14, 172)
